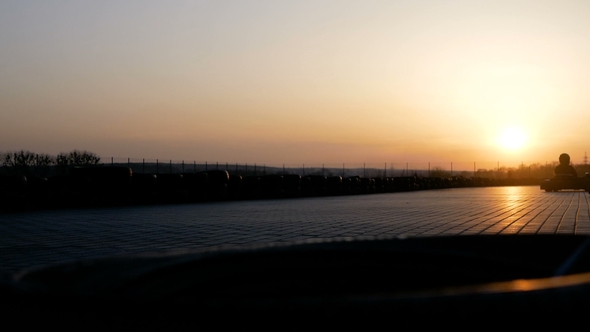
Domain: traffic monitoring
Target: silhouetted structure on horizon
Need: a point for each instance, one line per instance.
(118, 185)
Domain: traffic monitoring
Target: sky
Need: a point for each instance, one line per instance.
(297, 81)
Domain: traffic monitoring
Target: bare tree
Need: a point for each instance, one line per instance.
(26, 162)
(77, 158)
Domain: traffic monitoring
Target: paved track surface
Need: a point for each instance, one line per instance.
(39, 238)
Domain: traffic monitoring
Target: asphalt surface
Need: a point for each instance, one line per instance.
(38, 238)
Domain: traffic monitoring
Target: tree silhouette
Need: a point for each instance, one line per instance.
(77, 158)
(24, 162)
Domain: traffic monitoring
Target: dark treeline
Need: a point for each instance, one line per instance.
(76, 179)
(33, 164)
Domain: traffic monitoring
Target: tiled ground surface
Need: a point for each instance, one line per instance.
(44, 237)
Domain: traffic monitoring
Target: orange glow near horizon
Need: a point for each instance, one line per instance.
(298, 82)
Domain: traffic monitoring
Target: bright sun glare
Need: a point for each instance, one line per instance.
(512, 139)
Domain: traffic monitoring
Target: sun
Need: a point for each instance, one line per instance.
(512, 139)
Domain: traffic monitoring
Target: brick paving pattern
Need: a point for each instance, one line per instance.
(37, 238)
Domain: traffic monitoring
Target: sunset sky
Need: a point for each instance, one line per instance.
(297, 81)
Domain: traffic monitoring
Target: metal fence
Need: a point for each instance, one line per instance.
(495, 170)
(492, 170)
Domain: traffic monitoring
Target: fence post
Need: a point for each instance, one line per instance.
(157, 166)
(364, 170)
(205, 166)
(170, 168)
(112, 162)
(183, 166)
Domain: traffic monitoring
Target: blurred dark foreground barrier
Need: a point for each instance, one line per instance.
(345, 283)
(117, 185)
